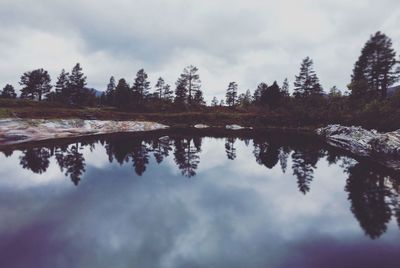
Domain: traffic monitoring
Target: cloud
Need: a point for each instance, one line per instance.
(243, 41)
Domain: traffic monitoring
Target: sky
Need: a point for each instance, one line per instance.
(247, 41)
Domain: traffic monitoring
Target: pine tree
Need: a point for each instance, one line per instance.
(110, 92)
(62, 86)
(375, 69)
(307, 83)
(141, 86)
(122, 94)
(159, 87)
(231, 94)
(36, 84)
(77, 83)
(8, 92)
(192, 81)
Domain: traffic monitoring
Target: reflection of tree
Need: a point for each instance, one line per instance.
(186, 155)
(160, 149)
(36, 159)
(304, 163)
(140, 157)
(283, 157)
(125, 150)
(368, 194)
(72, 161)
(266, 154)
(8, 153)
(230, 148)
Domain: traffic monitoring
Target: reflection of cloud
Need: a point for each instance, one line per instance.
(12, 175)
(232, 214)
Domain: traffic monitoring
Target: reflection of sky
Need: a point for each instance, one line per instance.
(232, 214)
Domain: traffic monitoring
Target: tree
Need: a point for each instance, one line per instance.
(230, 148)
(159, 87)
(198, 98)
(8, 92)
(110, 92)
(231, 94)
(36, 84)
(214, 102)
(181, 92)
(307, 83)
(246, 99)
(285, 88)
(192, 81)
(186, 156)
(36, 159)
(334, 92)
(271, 96)
(141, 86)
(261, 88)
(62, 86)
(167, 94)
(375, 69)
(77, 83)
(122, 94)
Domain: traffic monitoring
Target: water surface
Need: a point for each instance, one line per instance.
(193, 200)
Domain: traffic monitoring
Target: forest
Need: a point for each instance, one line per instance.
(366, 101)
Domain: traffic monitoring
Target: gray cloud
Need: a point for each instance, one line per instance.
(245, 41)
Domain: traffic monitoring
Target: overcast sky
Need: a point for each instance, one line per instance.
(247, 41)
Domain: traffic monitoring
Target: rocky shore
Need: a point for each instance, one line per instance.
(14, 131)
(381, 147)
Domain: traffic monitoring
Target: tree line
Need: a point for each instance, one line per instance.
(376, 69)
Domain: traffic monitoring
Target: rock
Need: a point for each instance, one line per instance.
(235, 127)
(23, 130)
(200, 126)
(382, 147)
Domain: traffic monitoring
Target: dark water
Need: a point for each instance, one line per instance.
(256, 200)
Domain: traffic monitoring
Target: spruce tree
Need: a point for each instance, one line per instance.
(122, 94)
(110, 92)
(307, 83)
(181, 93)
(141, 86)
(62, 86)
(261, 88)
(271, 96)
(77, 83)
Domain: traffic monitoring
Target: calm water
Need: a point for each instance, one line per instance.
(258, 200)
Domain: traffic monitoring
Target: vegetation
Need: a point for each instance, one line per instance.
(366, 102)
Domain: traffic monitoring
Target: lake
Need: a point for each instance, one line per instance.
(196, 199)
